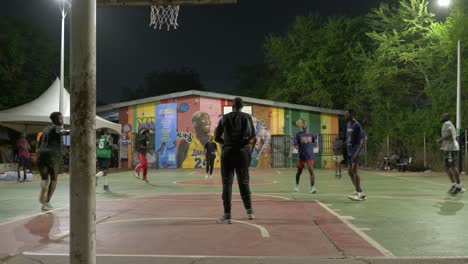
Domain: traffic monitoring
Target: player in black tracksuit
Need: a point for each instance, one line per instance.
(236, 132)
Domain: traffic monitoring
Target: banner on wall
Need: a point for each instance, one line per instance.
(166, 136)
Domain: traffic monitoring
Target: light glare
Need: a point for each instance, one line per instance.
(444, 3)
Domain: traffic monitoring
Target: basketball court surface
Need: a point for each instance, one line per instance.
(173, 219)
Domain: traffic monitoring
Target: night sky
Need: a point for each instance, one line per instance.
(212, 39)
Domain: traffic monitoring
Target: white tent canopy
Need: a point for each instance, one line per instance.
(33, 116)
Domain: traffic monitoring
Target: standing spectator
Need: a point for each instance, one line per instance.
(24, 156)
(236, 132)
(450, 148)
(338, 144)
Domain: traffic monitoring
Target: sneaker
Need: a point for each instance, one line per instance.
(456, 191)
(99, 174)
(206, 176)
(451, 189)
(106, 187)
(137, 175)
(313, 190)
(462, 190)
(224, 220)
(339, 176)
(356, 197)
(47, 207)
(250, 214)
(145, 180)
(296, 189)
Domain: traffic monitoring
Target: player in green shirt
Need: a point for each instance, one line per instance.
(103, 154)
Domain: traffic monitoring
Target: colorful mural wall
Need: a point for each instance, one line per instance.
(181, 127)
(166, 136)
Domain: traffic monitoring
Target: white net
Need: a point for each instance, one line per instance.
(164, 15)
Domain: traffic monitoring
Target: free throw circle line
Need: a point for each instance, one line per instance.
(263, 231)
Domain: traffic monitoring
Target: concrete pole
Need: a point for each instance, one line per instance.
(83, 143)
(466, 150)
(424, 149)
(62, 59)
(388, 146)
(458, 88)
(365, 155)
(458, 121)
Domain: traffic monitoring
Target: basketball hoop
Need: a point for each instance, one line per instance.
(161, 15)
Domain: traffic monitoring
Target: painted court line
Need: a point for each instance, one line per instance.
(400, 197)
(274, 196)
(27, 253)
(214, 193)
(409, 179)
(263, 231)
(182, 182)
(371, 241)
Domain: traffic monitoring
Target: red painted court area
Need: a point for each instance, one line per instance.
(184, 225)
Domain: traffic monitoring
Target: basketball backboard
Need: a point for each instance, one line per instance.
(161, 2)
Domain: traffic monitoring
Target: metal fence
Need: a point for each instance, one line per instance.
(281, 148)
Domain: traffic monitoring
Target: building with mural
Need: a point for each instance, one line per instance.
(181, 123)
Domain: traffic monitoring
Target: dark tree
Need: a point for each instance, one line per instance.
(28, 62)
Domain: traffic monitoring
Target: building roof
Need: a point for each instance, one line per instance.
(247, 100)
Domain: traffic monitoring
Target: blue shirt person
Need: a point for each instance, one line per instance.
(355, 140)
(304, 142)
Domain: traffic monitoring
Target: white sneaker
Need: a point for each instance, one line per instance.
(99, 174)
(206, 176)
(313, 190)
(137, 175)
(224, 220)
(47, 207)
(357, 197)
(296, 189)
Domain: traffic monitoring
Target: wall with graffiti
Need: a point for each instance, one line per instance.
(180, 127)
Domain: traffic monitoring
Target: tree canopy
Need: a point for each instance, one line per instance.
(28, 62)
(396, 66)
(165, 82)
